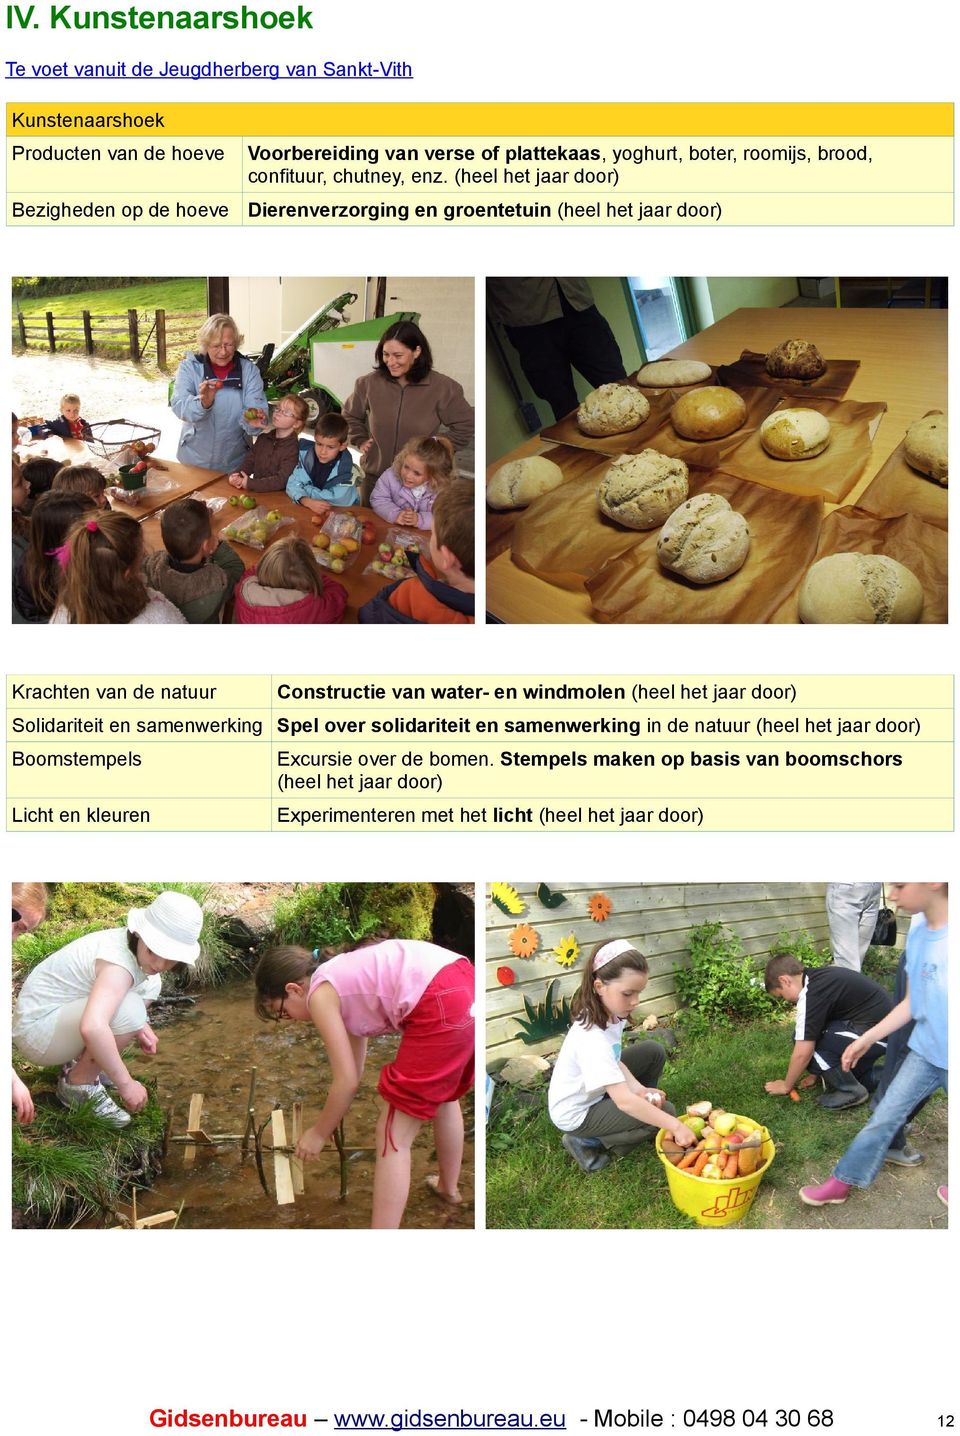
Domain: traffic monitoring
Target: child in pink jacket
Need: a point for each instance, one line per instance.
(288, 587)
(405, 492)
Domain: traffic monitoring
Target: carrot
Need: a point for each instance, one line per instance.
(700, 1163)
(688, 1160)
(730, 1170)
(794, 1095)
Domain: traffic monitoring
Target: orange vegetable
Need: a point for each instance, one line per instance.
(700, 1163)
(688, 1160)
(794, 1095)
(730, 1170)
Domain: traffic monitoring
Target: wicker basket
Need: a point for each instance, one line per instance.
(110, 436)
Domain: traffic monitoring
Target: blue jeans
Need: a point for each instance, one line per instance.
(917, 1080)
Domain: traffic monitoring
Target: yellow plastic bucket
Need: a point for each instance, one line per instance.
(714, 1201)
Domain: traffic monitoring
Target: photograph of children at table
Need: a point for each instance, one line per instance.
(290, 409)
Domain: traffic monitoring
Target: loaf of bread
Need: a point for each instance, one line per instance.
(704, 540)
(860, 588)
(796, 359)
(670, 373)
(795, 433)
(641, 490)
(520, 481)
(612, 409)
(708, 413)
(926, 447)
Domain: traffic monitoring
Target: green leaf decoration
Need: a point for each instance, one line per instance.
(548, 898)
(546, 1019)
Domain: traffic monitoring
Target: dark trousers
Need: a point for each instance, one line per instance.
(618, 1131)
(832, 1043)
(580, 338)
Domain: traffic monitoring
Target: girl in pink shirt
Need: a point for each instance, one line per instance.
(421, 991)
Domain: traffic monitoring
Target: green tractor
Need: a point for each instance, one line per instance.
(325, 358)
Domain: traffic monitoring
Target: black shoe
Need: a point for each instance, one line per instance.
(587, 1152)
(843, 1090)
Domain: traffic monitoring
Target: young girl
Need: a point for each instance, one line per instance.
(405, 492)
(602, 1098)
(82, 1006)
(288, 587)
(29, 910)
(924, 1069)
(36, 579)
(421, 991)
(81, 479)
(102, 582)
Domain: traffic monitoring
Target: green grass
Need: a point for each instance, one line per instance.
(70, 1164)
(341, 913)
(532, 1183)
(175, 295)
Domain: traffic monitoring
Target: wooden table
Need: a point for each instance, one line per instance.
(903, 360)
(184, 479)
(360, 586)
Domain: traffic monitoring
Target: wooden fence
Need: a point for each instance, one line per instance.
(657, 916)
(133, 333)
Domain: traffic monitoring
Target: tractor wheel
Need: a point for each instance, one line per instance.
(318, 402)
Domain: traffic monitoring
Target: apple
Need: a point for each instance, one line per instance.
(696, 1124)
(385, 551)
(321, 541)
(337, 550)
(247, 502)
(250, 414)
(369, 532)
(273, 516)
(337, 564)
(724, 1123)
(234, 501)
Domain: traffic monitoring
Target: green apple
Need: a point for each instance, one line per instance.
(273, 516)
(247, 502)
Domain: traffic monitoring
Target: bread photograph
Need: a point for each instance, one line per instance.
(925, 447)
(640, 491)
(612, 409)
(795, 359)
(795, 433)
(860, 588)
(704, 540)
(673, 373)
(519, 481)
(708, 413)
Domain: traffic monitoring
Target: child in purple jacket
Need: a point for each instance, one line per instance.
(405, 492)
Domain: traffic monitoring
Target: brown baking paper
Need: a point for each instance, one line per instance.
(920, 547)
(899, 489)
(830, 475)
(750, 368)
(575, 463)
(783, 539)
(568, 431)
(712, 452)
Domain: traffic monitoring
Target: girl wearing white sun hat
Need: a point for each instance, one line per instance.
(82, 1006)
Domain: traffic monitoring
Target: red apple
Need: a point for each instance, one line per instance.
(369, 532)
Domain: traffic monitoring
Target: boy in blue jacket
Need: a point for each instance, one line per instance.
(324, 476)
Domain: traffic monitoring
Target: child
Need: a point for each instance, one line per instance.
(833, 1004)
(82, 1006)
(274, 456)
(421, 991)
(69, 425)
(82, 479)
(405, 492)
(602, 1098)
(29, 910)
(21, 524)
(40, 474)
(288, 587)
(37, 577)
(197, 573)
(443, 589)
(102, 582)
(324, 476)
(924, 1068)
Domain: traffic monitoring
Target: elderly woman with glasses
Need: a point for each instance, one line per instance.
(218, 394)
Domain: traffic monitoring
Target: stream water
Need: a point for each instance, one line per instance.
(211, 1049)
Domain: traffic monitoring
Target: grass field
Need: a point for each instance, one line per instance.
(532, 1183)
(175, 295)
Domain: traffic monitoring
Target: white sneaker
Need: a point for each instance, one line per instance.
(75, 1094)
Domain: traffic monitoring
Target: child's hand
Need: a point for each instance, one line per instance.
(365, 447)
(238, 480)
(407, 517)
(147, 1039)
(310, 1145)
(316, 506)
(682, 1135)
(851, 1055)
(776, 1089)
(135, 1096)
(22, 1102)
(260, 422)
(655, 1096)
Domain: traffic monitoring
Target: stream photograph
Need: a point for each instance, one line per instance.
(243, 1055)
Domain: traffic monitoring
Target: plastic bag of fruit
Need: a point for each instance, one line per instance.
(397, 556)
(255, 526)
(338, 541)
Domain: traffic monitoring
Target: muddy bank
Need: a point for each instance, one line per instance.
(211, 1050)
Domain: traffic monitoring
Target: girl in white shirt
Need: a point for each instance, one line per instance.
(604, 1099)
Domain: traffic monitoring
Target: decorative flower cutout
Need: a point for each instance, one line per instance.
(506, 976)
(567, 951)
(507, 899)
(524, 940)
(599, 907)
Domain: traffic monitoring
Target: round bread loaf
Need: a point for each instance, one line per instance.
(795, 433)
(860, 588)
(641, 490)
(925, 447)
(708, 413)
(612, 409)
(519, 482)
(704, 540)
(795, 359)
(665, 373)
